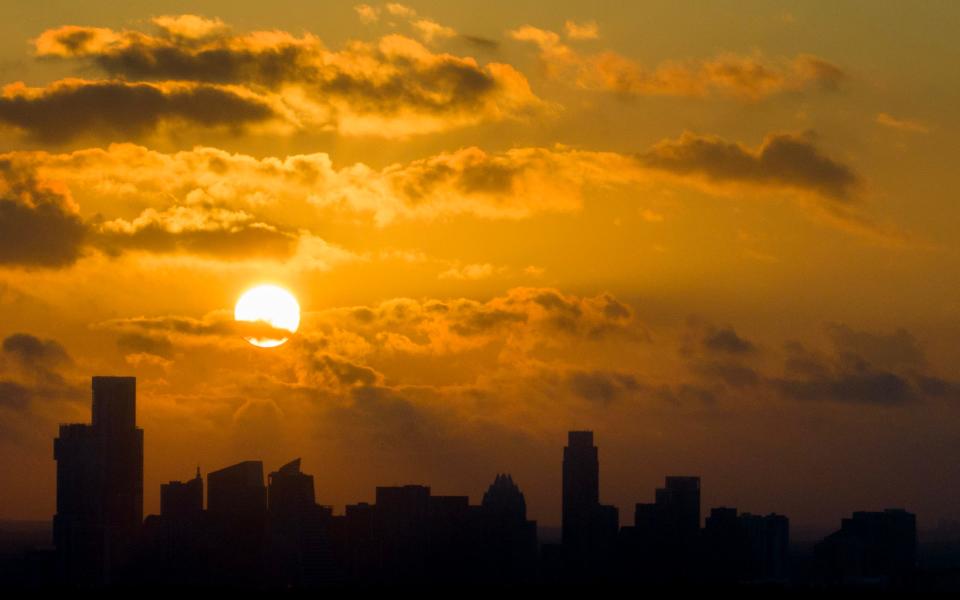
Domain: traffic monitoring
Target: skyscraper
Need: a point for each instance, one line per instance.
(237, 491)
(182, 500)
(100, 485)
(237, 511)
(589, 529)
(679, 503)
(581, 487)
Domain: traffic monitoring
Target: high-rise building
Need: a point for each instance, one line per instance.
(100, 485)
(589, 533)
(508, 539)
(237, 490)
(290, 491)
(871, 545)
(182, 500)
(679, 504)
(581, 487)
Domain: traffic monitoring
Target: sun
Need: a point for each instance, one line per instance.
(270, 305)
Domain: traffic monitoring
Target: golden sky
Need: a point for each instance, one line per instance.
(722, 236)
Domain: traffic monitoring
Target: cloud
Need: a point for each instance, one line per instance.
(33, 368)
(42, 226)
(218, 190)
(889, 371)
(782, 160)
(133, 343)
(726, 340)
(367, 13)
(431, 30)
(39, 224)
(215, 325)
(587, 30)
(72, 108)
(602, 386)
(470, 272)
(35, 353)
(394, 87)
(887, 350)
(752, 77)
(197, 230)
(907, 125)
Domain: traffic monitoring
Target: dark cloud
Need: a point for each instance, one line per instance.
(782, 159)
(847, 377)
(888, 350)
(35, 352)
(73, 108)
(483, 320)
(864, 387)
(347, 373)
(137, 343)
(733, 374)
(218, 324)
(39, 227)
(602, 386)
(14, 396)
(235, 241)
(728, 341)
(34, 369)
(483, 43)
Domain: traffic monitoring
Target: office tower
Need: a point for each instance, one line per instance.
(508, 539)
(871, 545)
(679, 505)
(290, 492)
(590, 529)
(237, 490)
(400, 523)
(182, 500)
(504, 500)
(581, 487)
(100, 485)
(237, 515)
(299, 543)
(746, 547)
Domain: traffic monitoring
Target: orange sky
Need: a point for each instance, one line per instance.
(725, 241)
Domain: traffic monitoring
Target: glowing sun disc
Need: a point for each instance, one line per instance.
(270, 305)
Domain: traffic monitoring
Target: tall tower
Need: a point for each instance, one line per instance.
(581, 487)
(100, 485)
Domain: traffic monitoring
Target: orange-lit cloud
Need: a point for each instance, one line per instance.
(393, 87)
(515, 184)
(750, 77)
(908, 125)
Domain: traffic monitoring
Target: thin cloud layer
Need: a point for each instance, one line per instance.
(394, 87)
(752, 77)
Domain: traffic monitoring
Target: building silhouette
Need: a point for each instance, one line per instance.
(509, 540)
(589, 531)
(237, 519)
(100, 486)
(181, 500)
(274, 535)
(746, 547)
(878, 548)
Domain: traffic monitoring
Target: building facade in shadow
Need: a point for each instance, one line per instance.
(100, 486)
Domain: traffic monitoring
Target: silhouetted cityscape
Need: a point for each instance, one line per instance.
(272, 533)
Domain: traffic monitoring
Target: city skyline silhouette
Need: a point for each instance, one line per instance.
(485, 293)
(271, 533)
